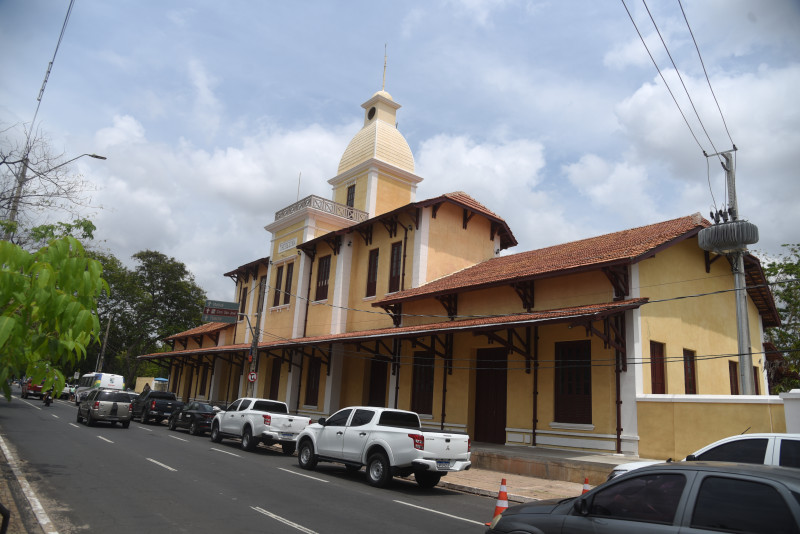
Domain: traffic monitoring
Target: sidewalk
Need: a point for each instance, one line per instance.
(22, 518)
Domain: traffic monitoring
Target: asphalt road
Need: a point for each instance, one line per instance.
(147, 478)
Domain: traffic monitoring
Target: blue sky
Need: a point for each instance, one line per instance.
(550, 113)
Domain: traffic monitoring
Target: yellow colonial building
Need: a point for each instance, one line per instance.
(622, 343)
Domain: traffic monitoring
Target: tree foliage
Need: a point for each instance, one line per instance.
(155, 299)
(48, 310)
(784, 275)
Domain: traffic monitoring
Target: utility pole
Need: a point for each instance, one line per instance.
(256, 331)
(730, 238)
(99, 365)
(740, 285)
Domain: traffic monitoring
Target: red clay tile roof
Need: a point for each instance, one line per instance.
(627, 246)
(573, 313)
(203, 329)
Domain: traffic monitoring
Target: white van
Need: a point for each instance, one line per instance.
(90, 381)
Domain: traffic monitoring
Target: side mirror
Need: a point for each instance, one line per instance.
(691, 458)
(321, 421)
(580, 506)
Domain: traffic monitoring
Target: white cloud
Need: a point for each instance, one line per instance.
(207, 108)
(126, 130)
(621, 188)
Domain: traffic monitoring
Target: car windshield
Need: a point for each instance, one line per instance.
(206, 408)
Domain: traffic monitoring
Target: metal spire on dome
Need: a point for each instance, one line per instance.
(383, 85)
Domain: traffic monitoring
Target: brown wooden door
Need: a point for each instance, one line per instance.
(378, 370)
(490, 395)
(658, 376)
(573, 384)
(275, 379)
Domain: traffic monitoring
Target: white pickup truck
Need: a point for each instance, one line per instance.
(258, 420)
(388, 442)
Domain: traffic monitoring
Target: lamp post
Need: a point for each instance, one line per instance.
(22, 177)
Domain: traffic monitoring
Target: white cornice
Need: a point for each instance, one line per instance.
(386, 169)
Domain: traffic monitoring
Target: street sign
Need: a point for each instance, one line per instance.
(252, 376)
(220, 311)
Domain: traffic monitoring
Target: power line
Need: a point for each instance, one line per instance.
(662, 76)
(705, 72)
(677, 71)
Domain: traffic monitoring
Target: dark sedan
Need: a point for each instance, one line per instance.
(676, 497)
(196, 416)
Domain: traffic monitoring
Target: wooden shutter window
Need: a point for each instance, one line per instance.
(276, 299)
(394, 267)
(372, 273)
(657, 372)
(351, 195)
(287, 290)
(733, 372)
(323, 273)
(690, 372)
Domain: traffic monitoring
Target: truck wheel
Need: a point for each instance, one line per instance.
(126, 424)
(249, 443)
(379, 472)
(216, 437)
(288, 448)
(426, 479)
(305, 456)
(80, 419)
(89, 419)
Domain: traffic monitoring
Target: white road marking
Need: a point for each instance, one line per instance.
(159, 463)
(73, 424)
(301, 528)
(144, 428)
(54, 415)
(302, 475)
(179, 439)
(38, 509)
(441, 513)
(29, 404)
(226, 452)
(104, 439)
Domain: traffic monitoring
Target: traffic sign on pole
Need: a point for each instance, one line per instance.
(220, 311)
(252, 376)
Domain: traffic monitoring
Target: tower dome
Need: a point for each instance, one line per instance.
(379, 138)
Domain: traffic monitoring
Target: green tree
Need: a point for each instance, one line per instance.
(48, 309)
(784, 275)
(158, 298)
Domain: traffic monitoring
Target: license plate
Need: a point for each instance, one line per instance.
(287, 435)
(442, 464)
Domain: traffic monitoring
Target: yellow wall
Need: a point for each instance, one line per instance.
(674, 429)
(706, 325)
(451, 247)
(391, 195)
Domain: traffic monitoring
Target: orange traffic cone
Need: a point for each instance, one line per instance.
(586, 486)
(502, 501)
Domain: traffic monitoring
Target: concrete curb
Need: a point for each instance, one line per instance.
(483, 492)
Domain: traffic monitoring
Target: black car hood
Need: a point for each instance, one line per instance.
(546, 506)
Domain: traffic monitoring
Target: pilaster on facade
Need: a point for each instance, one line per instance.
(372, 192)
(333, 385)
(301, 296)
(419, 266)
(341, 289)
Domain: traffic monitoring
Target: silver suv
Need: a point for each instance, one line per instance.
(106, 405)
